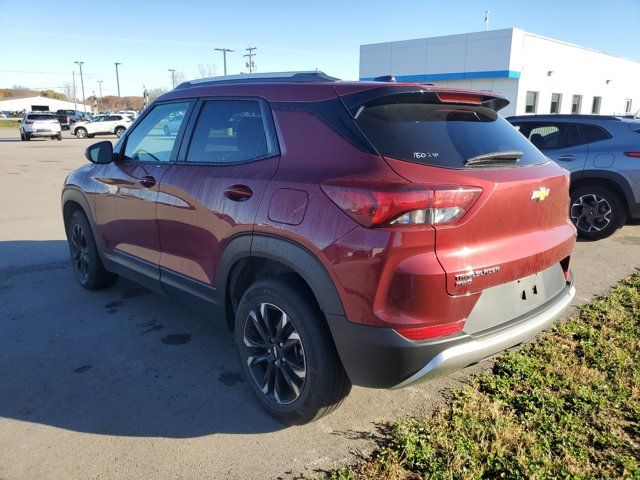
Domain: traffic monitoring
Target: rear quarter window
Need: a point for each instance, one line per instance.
(593, 133)
(443, 135)
(35, 116)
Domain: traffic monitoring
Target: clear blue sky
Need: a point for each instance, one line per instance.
(41, 40)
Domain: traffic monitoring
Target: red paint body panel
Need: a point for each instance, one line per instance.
(505, 228)
(389, 276)
(125, 210)
(195, 218)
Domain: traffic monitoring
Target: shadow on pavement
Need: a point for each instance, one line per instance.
(121, 361)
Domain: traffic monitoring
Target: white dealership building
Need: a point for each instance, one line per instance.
(537, 74)
(40, 104)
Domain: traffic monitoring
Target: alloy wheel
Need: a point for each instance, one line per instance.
(591, 213)
(80, 252)
(275, 354)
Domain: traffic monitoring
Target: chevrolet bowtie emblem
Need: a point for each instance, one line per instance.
(540, 194)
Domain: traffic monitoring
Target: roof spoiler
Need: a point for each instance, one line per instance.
(417, 94)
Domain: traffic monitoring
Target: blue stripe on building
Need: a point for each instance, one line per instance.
(454, 76)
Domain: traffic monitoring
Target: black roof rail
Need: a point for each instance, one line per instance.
(385, 78)
(275, 77)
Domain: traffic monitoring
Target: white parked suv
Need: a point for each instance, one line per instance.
(101, 125)
(132, 113)
(40, 125)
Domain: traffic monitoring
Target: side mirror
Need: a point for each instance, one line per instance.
(101, 152)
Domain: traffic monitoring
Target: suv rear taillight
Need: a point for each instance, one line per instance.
(373, 204)
(28, 122)
(432, 331)
(632, 154)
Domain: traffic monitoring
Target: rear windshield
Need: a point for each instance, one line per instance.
(442, 135)
(41, 116)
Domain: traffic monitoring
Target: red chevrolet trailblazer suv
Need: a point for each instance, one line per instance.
(368, 233)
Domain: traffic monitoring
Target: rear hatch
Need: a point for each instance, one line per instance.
(43, 123)
(517, 224)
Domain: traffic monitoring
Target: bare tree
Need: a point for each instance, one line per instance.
(67, 89)
(155, 93)
(207, 70)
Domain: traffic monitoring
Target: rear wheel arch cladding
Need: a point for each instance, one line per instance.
(291, 255)
(613, 181)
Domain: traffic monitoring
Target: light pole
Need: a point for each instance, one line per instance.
(100, 86)
(118, 77)
(224, 57)
(84, 106)
(173, 76)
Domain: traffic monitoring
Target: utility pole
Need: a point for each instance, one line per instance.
(250, 63)
(224, 57)
(75, 105)
(84, 106)
(118, 78)
(100, 86)
(173, 76)
(486, 20)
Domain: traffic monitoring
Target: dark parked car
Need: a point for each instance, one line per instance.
(67, 117)
(603, 155)
(362, 233)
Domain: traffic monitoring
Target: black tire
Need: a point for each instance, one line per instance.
(85, 260)
(91, 135)
(596, 212)
(21, 136)
(325, 383)
(81, 132)
(119, 131)
(59, 137)
(27, 137)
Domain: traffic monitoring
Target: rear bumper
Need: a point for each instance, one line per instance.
(46, 133)
(381, 358)
(474, 350)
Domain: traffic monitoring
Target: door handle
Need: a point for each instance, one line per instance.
(566, 158)
(238, 193)
(148, 181)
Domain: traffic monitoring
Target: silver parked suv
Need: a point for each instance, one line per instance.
(603, 155)
(41, 125)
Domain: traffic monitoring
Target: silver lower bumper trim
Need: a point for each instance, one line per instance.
(476, 349)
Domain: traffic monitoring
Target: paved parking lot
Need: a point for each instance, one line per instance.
(124, 383)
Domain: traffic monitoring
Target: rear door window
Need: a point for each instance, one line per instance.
(552, 135)
(443, 135)
(232, 131)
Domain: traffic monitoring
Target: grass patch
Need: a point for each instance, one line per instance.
(5, 123)
(565, 406)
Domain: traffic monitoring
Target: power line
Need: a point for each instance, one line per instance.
(250, 64)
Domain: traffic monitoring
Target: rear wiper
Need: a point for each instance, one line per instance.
(495, 157)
